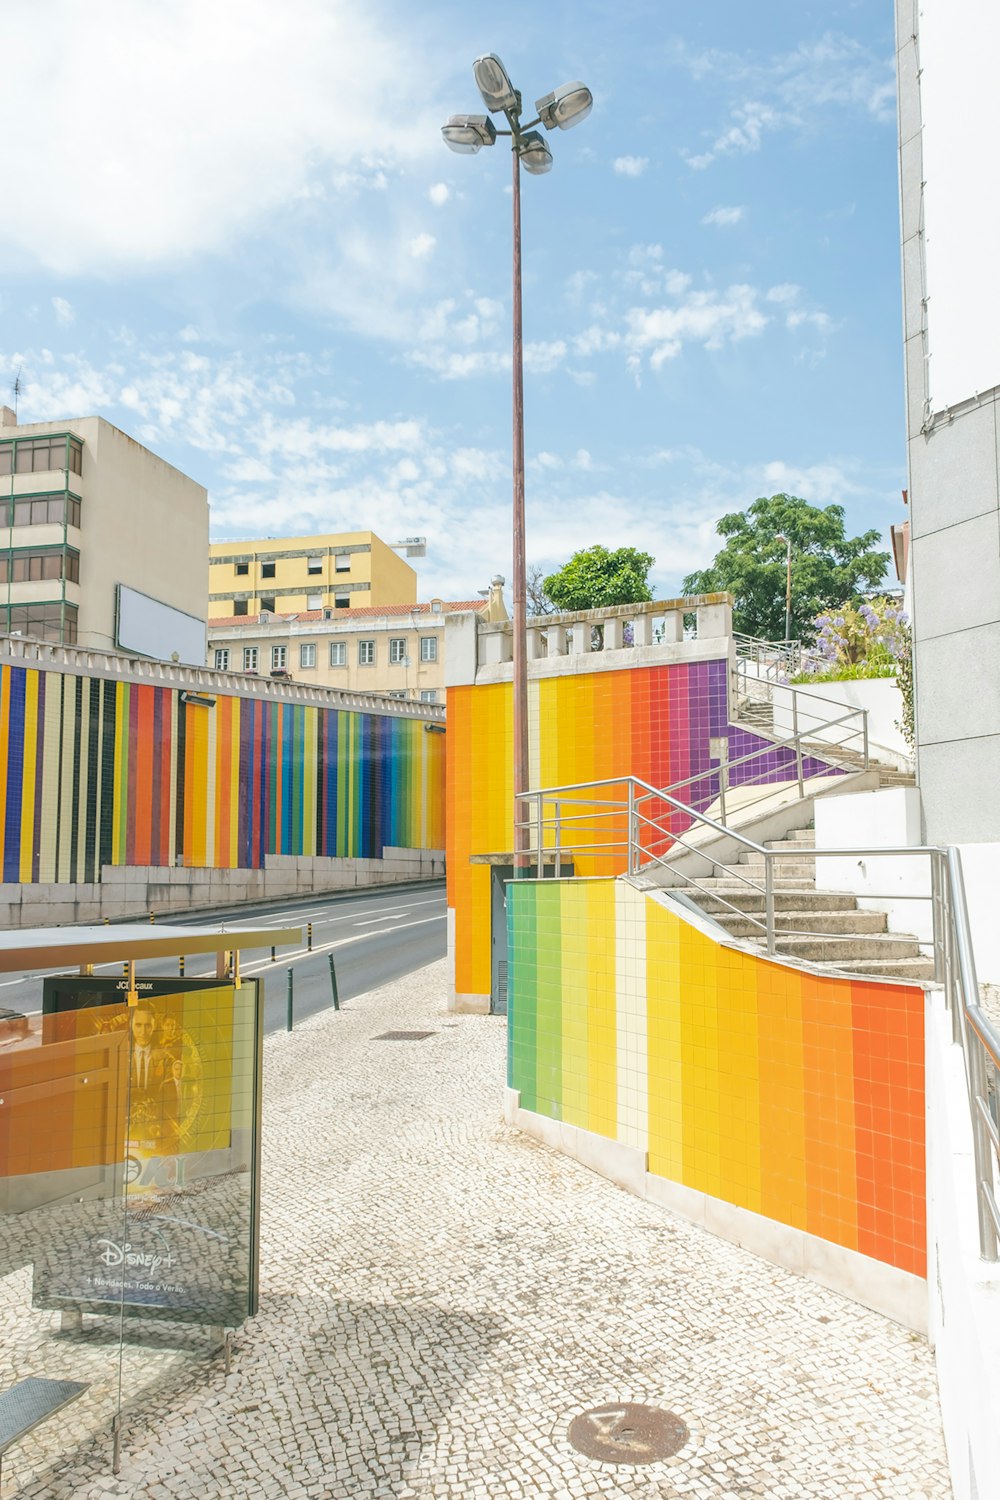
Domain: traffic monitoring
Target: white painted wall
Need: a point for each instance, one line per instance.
(981, 872)
(822, 701)
(900, 886)
(963, 1291)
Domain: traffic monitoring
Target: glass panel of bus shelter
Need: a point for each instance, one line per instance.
(192, 1155)
(64, 1084)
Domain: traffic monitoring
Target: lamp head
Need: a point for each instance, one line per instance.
(467, 134)
(499, 94)
(535, 155)
(565, 106)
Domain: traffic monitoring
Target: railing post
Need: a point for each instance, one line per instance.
(558, 827)
(540, 852)
(769, 899)
(798, 742)
(864, 719)
(632, 859)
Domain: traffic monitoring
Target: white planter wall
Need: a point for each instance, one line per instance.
(821, 701)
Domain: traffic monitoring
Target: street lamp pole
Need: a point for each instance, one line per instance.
(467, 134)
(788, 584)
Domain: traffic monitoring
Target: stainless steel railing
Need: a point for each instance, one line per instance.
(648, 829)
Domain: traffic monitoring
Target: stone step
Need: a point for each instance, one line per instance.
(784, 869)
(735, 883)
(845, 923)
(802, 838)
(899, 968)
(750, 900)
(846, 950)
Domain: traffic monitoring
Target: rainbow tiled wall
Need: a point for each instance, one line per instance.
(652, 722)
(792, 1095)
(96, 772)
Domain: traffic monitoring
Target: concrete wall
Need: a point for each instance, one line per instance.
(964, 1290)
(898, 885)
(134, 892)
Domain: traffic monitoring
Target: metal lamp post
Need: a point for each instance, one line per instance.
(788, 584)
(467, 134)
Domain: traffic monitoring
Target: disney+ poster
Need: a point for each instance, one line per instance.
(184, 1247)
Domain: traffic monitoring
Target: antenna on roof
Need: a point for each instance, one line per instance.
(16, 390)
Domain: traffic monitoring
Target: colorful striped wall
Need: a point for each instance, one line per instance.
(97, 772)
(796, 1096)
(652, 722)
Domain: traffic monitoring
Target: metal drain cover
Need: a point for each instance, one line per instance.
(627, 1433)
(403, 1036)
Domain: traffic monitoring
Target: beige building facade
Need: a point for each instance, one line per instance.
(398, 650)
(291, 575)
(85, 509)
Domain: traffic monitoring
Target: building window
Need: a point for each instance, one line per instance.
(314, 565)
(397, 695)
(23, 566)
(279, 655)
(428, 648)
(343, 562)
(267, 570)
(239, 606)
(342, 601)
(49, 622)
(366, 653)
(307, 655)
(243, 570)
(397, 650)
(37, 456)
(222, 659)
(429, 696)
(338, 653)
(267, 603)
(249, 658)
(314, 601)
(39, 510)
(436, 607)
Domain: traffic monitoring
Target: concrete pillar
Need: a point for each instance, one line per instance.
(614, 630)
(497, 647)
(579, 637)
(557, 640)
(534, 637)
(673, 626)
(715, 621)
(642, 630)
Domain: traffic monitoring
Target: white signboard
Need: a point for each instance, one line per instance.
(960, 107)
(149, 628)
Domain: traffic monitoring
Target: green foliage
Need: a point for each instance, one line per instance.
(595, 578)
(828, 567)
(904, 676)
(859, 672)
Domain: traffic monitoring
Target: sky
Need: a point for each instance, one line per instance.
(232, 228)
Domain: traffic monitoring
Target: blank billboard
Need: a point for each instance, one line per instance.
(149, 628)
(959, 48)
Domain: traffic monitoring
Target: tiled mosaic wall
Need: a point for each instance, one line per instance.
(796, 1096)
(650, 722)
(95, 772)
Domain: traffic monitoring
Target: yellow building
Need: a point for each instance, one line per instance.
(397, 649)
(291, 574)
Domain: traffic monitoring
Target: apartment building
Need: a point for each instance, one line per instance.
(293, 575)
(397, 649)
(86, 511)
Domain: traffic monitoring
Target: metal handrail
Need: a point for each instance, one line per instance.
(954, 963)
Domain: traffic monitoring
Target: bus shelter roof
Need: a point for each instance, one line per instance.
(51, 947)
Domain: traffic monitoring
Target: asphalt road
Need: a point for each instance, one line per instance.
(374, 937)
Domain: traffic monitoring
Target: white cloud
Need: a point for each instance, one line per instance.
(791, 90)
(630, 166)
(786, 291)
(707, 318)
(63, 311)
(439, 194)
(173, 128)
(421, 245)
(723, 217)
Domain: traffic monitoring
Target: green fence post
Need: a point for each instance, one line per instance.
(290, 1002)
(333, 984)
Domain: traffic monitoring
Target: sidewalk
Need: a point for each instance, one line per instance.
(441, 1296)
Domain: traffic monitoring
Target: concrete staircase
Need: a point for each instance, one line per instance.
(822, 927)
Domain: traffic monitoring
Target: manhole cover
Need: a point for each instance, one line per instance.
(402, 1036)
(629, 1433)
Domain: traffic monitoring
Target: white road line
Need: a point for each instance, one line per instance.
(325, 947)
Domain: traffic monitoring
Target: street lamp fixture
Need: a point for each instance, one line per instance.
(467, 134)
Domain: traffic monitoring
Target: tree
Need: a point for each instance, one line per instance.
(595, 578)
(828, 567)
(537, 599)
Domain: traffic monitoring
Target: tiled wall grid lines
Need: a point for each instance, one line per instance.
(796, 1096)
(96, 772)
(655, 723)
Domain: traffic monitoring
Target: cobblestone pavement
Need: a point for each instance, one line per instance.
(440, 1296)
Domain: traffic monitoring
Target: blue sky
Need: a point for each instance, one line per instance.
(234, 230)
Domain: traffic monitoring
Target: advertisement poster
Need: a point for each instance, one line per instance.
(179, 1239)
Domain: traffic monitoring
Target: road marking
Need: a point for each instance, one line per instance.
(325, 947)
